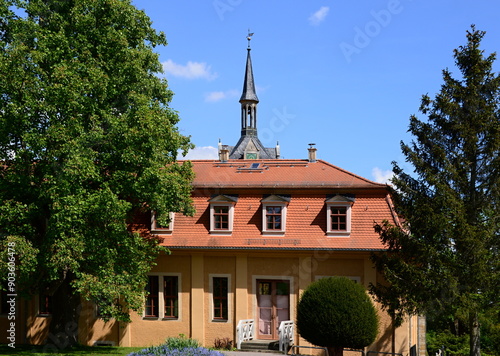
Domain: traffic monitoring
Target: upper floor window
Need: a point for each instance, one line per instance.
(273, 217)
(222, 214)
(338, 218)
(157, 228)
(274, 209)
(338, 215)
(221, 217)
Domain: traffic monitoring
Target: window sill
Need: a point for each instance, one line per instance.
(219, 320)
(44, 315)
(150, 318)
(338, 233)
(161, 232)
(172, 319)
(221, 232)
(273, 233)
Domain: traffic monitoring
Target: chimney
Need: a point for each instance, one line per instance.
(312, 152)
(224, 153)
(278, 150)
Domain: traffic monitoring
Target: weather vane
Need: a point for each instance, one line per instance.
(249, 37)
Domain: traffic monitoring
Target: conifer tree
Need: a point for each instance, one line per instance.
(444, 257)
(87, 141)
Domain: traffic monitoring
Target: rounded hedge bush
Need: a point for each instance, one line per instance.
(337, 313)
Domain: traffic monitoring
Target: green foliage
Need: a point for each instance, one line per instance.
(490, 332)
(181, 342)
(444, 257)
(337, 312)
(452, 334)
(451, 344)
(87, 141)
(77, 350)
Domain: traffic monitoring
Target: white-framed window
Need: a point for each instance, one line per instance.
(222, 214)
(338, 215)
(220, 297)
(162, 297)
(162, 229)
(274, 209)
(45, 304)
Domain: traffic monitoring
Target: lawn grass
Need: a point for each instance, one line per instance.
(30, 350)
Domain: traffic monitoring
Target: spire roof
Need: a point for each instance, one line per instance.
(248, 83)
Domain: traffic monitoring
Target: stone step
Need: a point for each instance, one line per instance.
(260, 345)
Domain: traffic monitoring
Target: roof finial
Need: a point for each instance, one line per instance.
(249, 37)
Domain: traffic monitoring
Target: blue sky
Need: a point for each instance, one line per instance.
(343, 74)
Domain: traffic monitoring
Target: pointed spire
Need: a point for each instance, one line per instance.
(248, 83)
(249, 145)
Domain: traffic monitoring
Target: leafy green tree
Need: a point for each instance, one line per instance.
(337, 313)
(87, 142)
(444, 257)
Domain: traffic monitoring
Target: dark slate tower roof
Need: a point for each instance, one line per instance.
(249, 145)
(248, 82)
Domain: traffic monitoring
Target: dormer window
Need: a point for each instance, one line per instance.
(222, 214)
(338, 215)
(157, 228)
(274, 214)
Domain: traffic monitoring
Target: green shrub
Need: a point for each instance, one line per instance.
(337, 313)
(181, 342)
(453, 345)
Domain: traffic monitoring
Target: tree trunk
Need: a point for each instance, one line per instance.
(335, 351)
(66, 307)
(475, 345)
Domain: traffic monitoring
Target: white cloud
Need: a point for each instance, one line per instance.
(220, 95)
(207, 152)
(319, 16)
(191, 70)
(382, 176)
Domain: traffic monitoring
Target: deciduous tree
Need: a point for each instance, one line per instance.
(87, 141)
(444, 257)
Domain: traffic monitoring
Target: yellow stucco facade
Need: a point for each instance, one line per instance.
(242, 269)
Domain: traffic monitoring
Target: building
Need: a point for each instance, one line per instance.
(264, 229)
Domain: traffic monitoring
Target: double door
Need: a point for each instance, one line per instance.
(273, 307)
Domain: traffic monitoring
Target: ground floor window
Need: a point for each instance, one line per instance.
(162, 297)
(220, 298)
(44, 304)
(171, 296)
(151, 308)
(4, 306)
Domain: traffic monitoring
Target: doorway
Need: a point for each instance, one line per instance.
(273, 307)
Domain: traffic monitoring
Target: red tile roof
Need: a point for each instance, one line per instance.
(307, 183)
(275, 173)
